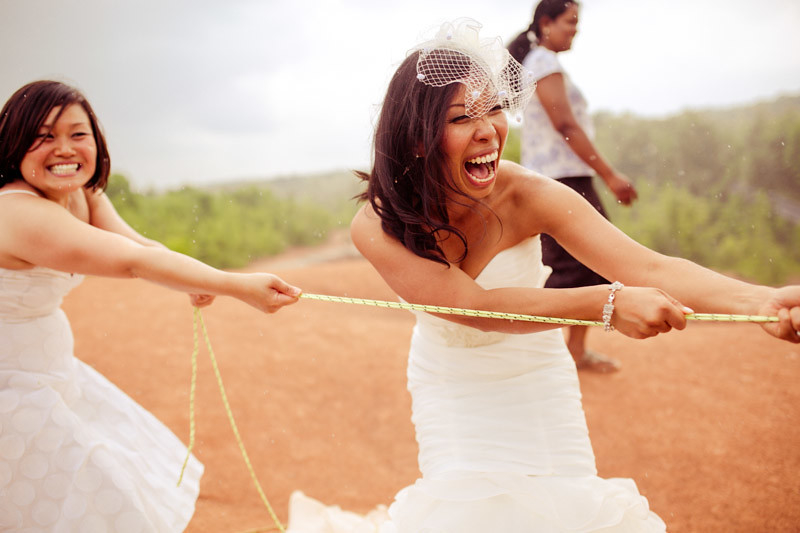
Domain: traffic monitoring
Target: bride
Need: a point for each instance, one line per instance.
(503, 442)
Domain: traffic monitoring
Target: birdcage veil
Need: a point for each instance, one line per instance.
(491, 76)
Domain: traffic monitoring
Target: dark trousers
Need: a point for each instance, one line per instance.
(567, 271)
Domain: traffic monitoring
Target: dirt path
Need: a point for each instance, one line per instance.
(707, 421)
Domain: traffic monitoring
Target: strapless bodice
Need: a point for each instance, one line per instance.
(518, 266)
(33, 293)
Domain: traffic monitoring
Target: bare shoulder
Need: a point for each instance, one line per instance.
(535, 203)
(364, 223)
(366, 231)
(517, 175)
(22, 203)
(525, 185)
(18, 190)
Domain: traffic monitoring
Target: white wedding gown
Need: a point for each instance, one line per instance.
(76, 453)
(503, 442)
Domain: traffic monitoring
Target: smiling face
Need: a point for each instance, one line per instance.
(64, 153)
(472, 146)
(558, 33)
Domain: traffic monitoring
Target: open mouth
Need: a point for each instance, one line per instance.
(481, 170)
(64, 169)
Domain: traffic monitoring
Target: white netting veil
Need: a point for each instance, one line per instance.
(492, 77)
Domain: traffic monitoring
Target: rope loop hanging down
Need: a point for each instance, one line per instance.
(198, 318)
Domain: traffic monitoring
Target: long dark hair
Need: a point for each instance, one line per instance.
(552, 9)
(25, 113)
(409, 185)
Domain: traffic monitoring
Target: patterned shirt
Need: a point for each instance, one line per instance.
(543, 148)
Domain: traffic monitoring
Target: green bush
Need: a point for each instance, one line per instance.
(227, 228)
(710, 184)
(735, 235)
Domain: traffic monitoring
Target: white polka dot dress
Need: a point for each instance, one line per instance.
(76, 453)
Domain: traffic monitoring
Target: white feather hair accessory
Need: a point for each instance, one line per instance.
(492, 77)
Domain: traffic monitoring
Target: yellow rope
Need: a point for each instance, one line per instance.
(192, 390)
(709, 317)
(198, 317)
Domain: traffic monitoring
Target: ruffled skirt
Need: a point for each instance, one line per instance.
(77, 453)
(504, 503)
(523, 504)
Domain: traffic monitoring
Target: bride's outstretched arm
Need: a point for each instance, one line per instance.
(603, 247)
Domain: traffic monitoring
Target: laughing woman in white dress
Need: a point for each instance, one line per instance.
(76, 453)
(503, 442)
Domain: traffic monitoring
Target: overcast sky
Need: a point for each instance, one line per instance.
(197, 92)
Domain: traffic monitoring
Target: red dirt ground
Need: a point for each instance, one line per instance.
(707, 421)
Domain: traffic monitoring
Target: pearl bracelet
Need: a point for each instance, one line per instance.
(608, 309)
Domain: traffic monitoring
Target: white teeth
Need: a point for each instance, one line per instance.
(484, 158)
(65, 168)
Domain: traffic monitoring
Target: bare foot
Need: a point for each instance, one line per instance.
(597, 362)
